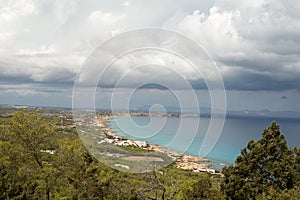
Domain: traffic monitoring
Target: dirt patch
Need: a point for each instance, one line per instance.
(144, 158)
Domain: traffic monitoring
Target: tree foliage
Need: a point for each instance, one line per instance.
(264, 165)
(40, 161)
(202, 188)
(29, 169)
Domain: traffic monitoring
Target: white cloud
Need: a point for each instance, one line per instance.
(242, 36)
(39, 37)
(105, 18)
(18, 8)
(126, 3)
(63, 10)
(48, 41)
(5, 36)
(43, 50)
(255, 43)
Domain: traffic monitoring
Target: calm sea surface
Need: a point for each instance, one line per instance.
(236, 133)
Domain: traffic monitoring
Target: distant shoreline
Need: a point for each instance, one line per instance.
(273, 115)
(181, 160)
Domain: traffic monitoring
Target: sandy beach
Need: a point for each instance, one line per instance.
(183, 161)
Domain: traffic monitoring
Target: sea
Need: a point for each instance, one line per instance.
(186, 134)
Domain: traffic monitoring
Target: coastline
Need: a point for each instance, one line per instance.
(181, 160)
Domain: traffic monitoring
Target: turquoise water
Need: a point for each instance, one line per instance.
(235, 134)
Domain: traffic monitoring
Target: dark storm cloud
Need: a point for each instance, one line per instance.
(259, 82)
(256, 45)
(22, 72)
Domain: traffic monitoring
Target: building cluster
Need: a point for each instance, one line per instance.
(123, 142)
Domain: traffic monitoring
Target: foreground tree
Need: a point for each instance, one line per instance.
(38, 163)
(264, 165)
(23, 170)
(292, 194)
(201, 189)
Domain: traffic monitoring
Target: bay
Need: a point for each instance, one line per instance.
(180, 134)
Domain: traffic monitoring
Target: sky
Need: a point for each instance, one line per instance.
(255, 46)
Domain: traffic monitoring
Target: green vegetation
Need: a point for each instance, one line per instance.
(40, 159)
(29, 171)
(265, 169)
(135, 149)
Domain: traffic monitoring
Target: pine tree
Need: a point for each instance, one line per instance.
(263, 165)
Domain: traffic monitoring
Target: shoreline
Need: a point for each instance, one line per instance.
(181, 160)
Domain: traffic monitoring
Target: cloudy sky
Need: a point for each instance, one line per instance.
(254, 44)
